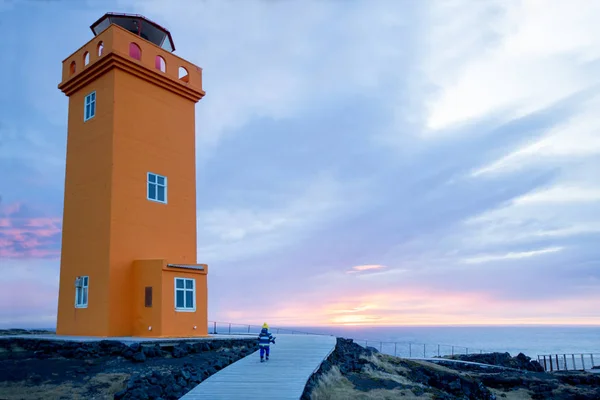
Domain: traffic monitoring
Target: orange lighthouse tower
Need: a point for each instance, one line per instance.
(128, 261)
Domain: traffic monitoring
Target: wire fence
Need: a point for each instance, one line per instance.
(405, 349)
(569, 362)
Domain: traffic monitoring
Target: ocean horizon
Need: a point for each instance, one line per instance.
(531, 340)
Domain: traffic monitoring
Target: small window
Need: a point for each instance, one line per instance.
(148, 296)
(81, 291)
(185, 294)
(90, 106)
(160, 64)
(183, 75)
(86, 58)
(157, 188)
(135, 51)
(72, 68)
(100, 48)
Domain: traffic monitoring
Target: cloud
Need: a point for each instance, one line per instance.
(26, 233)
(527, 63)
(363, 268)
(564, 194)
(573, 139)
(228, 234)
(289, 58)
(510, 256)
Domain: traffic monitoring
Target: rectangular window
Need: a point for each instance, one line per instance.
(157, 188)
(81, 291)
(185, 294)
(148, 296)
(89, 109)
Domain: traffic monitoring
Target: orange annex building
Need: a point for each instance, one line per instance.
(128, 260)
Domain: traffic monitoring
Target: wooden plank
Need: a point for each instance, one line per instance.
(293, 360)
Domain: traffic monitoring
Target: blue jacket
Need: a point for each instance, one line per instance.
(265, 337)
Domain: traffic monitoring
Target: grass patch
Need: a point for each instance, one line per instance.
(334, 386)
(519, 394)
(100, 386)
(22, 391)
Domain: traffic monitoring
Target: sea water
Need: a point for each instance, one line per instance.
(428, 341)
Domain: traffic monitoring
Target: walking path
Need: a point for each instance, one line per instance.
(294, 358)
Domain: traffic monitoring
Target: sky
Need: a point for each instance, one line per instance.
(358, 162)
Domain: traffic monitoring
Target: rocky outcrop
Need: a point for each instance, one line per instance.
(170, 386)
(155, 370)
(521, 361)
(353, 360)
(18, 331)
(364, 370)
(136, 352)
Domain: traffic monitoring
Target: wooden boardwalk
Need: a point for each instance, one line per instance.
(294, 358)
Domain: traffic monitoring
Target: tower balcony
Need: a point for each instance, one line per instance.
(118, 47)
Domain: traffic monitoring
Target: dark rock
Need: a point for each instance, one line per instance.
(120, 394)
(36, 379)
(219, 364)
(372, 349)
(139, 357)
(181, 350)
(521, 361)
(41, 355)
(366, 384)
(154, 391)
(135, 347)
(127, 353)
(138, 394)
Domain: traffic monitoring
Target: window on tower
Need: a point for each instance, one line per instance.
(81, 291)
(135, 51)
(157, 187)
(185, 294)
(89, 109)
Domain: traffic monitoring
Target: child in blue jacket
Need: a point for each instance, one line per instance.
(264, 340)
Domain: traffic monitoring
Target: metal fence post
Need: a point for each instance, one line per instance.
(565, 360)
(410, 350)
(592, 357)
(215, 328)
(467, 350)
(582, 362)
(452, 350)
(438, 350)
(230, 329)
(395, 349)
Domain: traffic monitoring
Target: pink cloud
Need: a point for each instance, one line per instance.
(363, 268)
(24, 233)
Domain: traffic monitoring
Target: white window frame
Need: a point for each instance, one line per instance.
(185, 290)
(83, 289)
(156, 184)
(89, 100)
